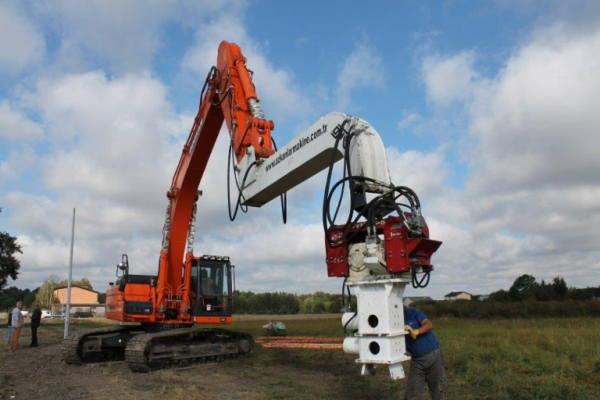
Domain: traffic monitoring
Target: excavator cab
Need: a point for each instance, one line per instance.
(211, 286)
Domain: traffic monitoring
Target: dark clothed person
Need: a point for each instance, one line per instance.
(427, 363)
(36, 318)
(10, 330)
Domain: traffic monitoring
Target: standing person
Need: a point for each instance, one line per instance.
(36, 318)
(17, 324)
(10, 331)
(427, 363)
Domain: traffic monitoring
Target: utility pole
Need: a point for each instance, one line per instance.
(68, 312)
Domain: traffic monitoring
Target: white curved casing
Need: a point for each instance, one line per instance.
(350, 321)
(351, 345)
(368, 158)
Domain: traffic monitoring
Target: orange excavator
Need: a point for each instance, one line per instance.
(372, 249)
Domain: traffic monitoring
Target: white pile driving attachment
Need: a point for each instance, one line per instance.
(379, 322)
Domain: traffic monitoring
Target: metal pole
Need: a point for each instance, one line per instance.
(68, 312)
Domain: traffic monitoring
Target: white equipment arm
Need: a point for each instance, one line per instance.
(311, 152)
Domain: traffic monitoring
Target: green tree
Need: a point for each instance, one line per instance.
(292, 305)
(500, 295)
(560, 288)
(11, 295)
(29, 299)
(523, 287)
(8, 303)
(45, 295)
(9, 265)
(318, 308)
(335, 306)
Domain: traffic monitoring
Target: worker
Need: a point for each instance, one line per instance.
(36, 318)
(17, 324)
(427, 363)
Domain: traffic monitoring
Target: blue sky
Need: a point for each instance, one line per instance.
(487, 109)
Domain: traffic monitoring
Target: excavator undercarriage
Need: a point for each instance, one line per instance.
(144, 352)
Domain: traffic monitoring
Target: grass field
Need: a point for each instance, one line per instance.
(501, 359)
(485, 359)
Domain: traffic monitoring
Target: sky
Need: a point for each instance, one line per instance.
(488, 110)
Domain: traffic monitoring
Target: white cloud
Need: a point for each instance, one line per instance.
(531, 194)
(281, 98)
(424, 173)
(109, 155)
(123, 35)
(15, 125)
(26, 46)
(107, 136)
(409, 120)
(17, 164)
(538, 125)
(362, 68)
(448, 79)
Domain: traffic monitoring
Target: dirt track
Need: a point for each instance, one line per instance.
(38, 373)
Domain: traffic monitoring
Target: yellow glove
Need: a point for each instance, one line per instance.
(413, 332)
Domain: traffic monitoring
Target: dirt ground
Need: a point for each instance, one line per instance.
(38, 373)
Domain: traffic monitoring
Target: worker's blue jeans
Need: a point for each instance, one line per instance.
(9, 334)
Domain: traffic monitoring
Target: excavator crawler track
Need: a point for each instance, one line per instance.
(86, 346)
(146, 352)
(183, 347)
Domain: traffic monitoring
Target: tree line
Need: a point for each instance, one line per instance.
(286, 303)
(526, 288)
(526, 298)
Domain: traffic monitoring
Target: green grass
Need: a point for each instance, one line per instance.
(523, 359)
(545, 358)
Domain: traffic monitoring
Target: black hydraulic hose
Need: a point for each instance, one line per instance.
(349, 303)
(328, 220)
(420, 283)
(217, 86)
(283, 196)
(238, 204)
(350, 320)
(209, 77)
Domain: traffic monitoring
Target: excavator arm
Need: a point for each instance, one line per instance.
(228, 95)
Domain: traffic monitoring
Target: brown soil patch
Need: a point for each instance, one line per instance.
(38, 373)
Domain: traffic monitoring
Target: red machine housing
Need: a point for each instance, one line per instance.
(402, 251)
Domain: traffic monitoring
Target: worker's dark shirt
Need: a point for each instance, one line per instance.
(36, 317)
(424, 343)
